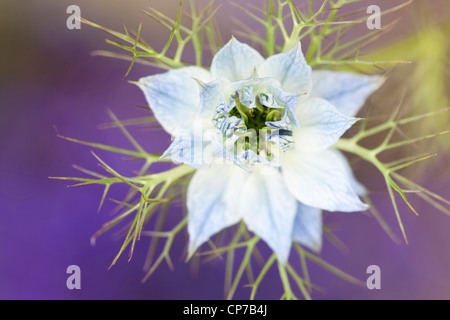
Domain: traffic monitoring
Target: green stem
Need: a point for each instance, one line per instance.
(351, 146)
(288, 294)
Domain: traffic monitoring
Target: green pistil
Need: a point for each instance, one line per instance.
(259, 105)
(274, 116)
(243, 110)
(255, 118)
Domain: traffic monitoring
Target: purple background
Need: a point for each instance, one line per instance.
(49, 79)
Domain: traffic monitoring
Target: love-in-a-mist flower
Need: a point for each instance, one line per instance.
(261, 134)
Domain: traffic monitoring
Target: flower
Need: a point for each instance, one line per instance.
(261, 134)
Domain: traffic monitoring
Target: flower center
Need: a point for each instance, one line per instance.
(255, 118)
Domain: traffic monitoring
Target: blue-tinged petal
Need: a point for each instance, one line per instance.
(356, 185)
(174, 96)
(197, 145)
(269, 209)
(321, 125)
(290, 69)
(308, 227)
(212, 202)
(235, 61)
(291, 102)
(347, 91)
(186, 148)
(212, 99)
(320, 179)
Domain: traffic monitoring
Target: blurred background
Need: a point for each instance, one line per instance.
(50, 82)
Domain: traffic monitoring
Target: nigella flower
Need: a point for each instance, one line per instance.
(261, 134)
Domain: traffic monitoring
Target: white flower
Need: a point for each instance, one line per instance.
(265, 154)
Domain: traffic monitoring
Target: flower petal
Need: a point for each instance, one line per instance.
(235, 61)
(356, 185)
(321, 180)
(212, 98)
(198, 146)
(187, 148)
(308, 227)
(211, 202)
(321, 125)
(290, 69)
(347, 91)
(174, 96)
(269, 209)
